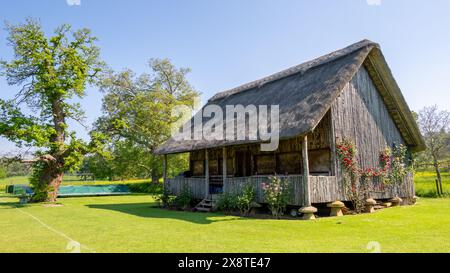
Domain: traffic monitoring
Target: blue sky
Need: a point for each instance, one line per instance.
(227, 43)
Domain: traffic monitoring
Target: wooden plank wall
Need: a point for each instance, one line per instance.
(235, 186)
(404, 190)
(360, 113)
(325, 189)
(196, 185)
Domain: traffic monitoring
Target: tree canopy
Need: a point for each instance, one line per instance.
(434, 124)
(49, 71)
(138, 113)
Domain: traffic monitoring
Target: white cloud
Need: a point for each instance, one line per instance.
(73, 2)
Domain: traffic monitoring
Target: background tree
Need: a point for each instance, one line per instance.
(138, 114)
(434, 125)
(12, 166)
(421, 159)
(128, 160)
(50, 71)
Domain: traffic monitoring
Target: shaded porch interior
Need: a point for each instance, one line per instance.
(303, 160)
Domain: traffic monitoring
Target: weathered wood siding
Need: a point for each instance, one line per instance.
(359, 113)
(236, 185)
(197, 186)
(405, 189)
(323, 188)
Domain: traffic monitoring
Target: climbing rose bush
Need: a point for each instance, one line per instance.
(347, 151)
(393, 169)
(277, 193)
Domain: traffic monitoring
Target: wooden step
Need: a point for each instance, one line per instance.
(207, 204)
(203, 209)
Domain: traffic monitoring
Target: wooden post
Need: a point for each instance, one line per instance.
(437, 188)
(206, 174)
(164, 168)
(224, 168)
(307, 199)
(252, 159)
(332, 140)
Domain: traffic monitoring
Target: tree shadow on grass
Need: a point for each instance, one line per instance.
(149, 210)
(7, 202)
(11, 205)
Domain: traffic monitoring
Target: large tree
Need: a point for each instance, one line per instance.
(138, 111)
(434, 124)
(50, 72)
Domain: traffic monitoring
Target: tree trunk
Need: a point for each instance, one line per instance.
(48, 179)
(54, 183)
(50, 167)
(155, 176)
(438, 173)
(56, 173)
(154, 172)
(437, 188)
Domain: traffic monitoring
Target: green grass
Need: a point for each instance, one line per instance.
(131, 224)
(426, 186)
(13, 180)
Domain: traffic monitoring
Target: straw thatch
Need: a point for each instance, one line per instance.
(305, 93)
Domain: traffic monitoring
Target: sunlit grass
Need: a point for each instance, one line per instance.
(133, 224)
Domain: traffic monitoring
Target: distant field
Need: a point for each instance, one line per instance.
(426, 185)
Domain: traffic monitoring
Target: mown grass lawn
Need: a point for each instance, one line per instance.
(132, 224)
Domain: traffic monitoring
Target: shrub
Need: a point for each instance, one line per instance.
(146, 187)
(165, 199)
(2, 172)
(431, 193)
(277, 195)
(227, 202)
(245, 199)
(41, 190)
(183, 200)
(399, 166)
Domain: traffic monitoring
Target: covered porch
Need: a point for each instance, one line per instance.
(322, 189)
(309, 172)
(307, 162)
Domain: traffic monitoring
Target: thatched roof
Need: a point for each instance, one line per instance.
(305, 93)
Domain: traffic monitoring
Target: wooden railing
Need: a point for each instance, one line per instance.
(323, 189)
(236, 184)
(197, 186)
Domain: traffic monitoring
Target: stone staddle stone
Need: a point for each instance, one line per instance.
(308, 212)
(336, 208)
